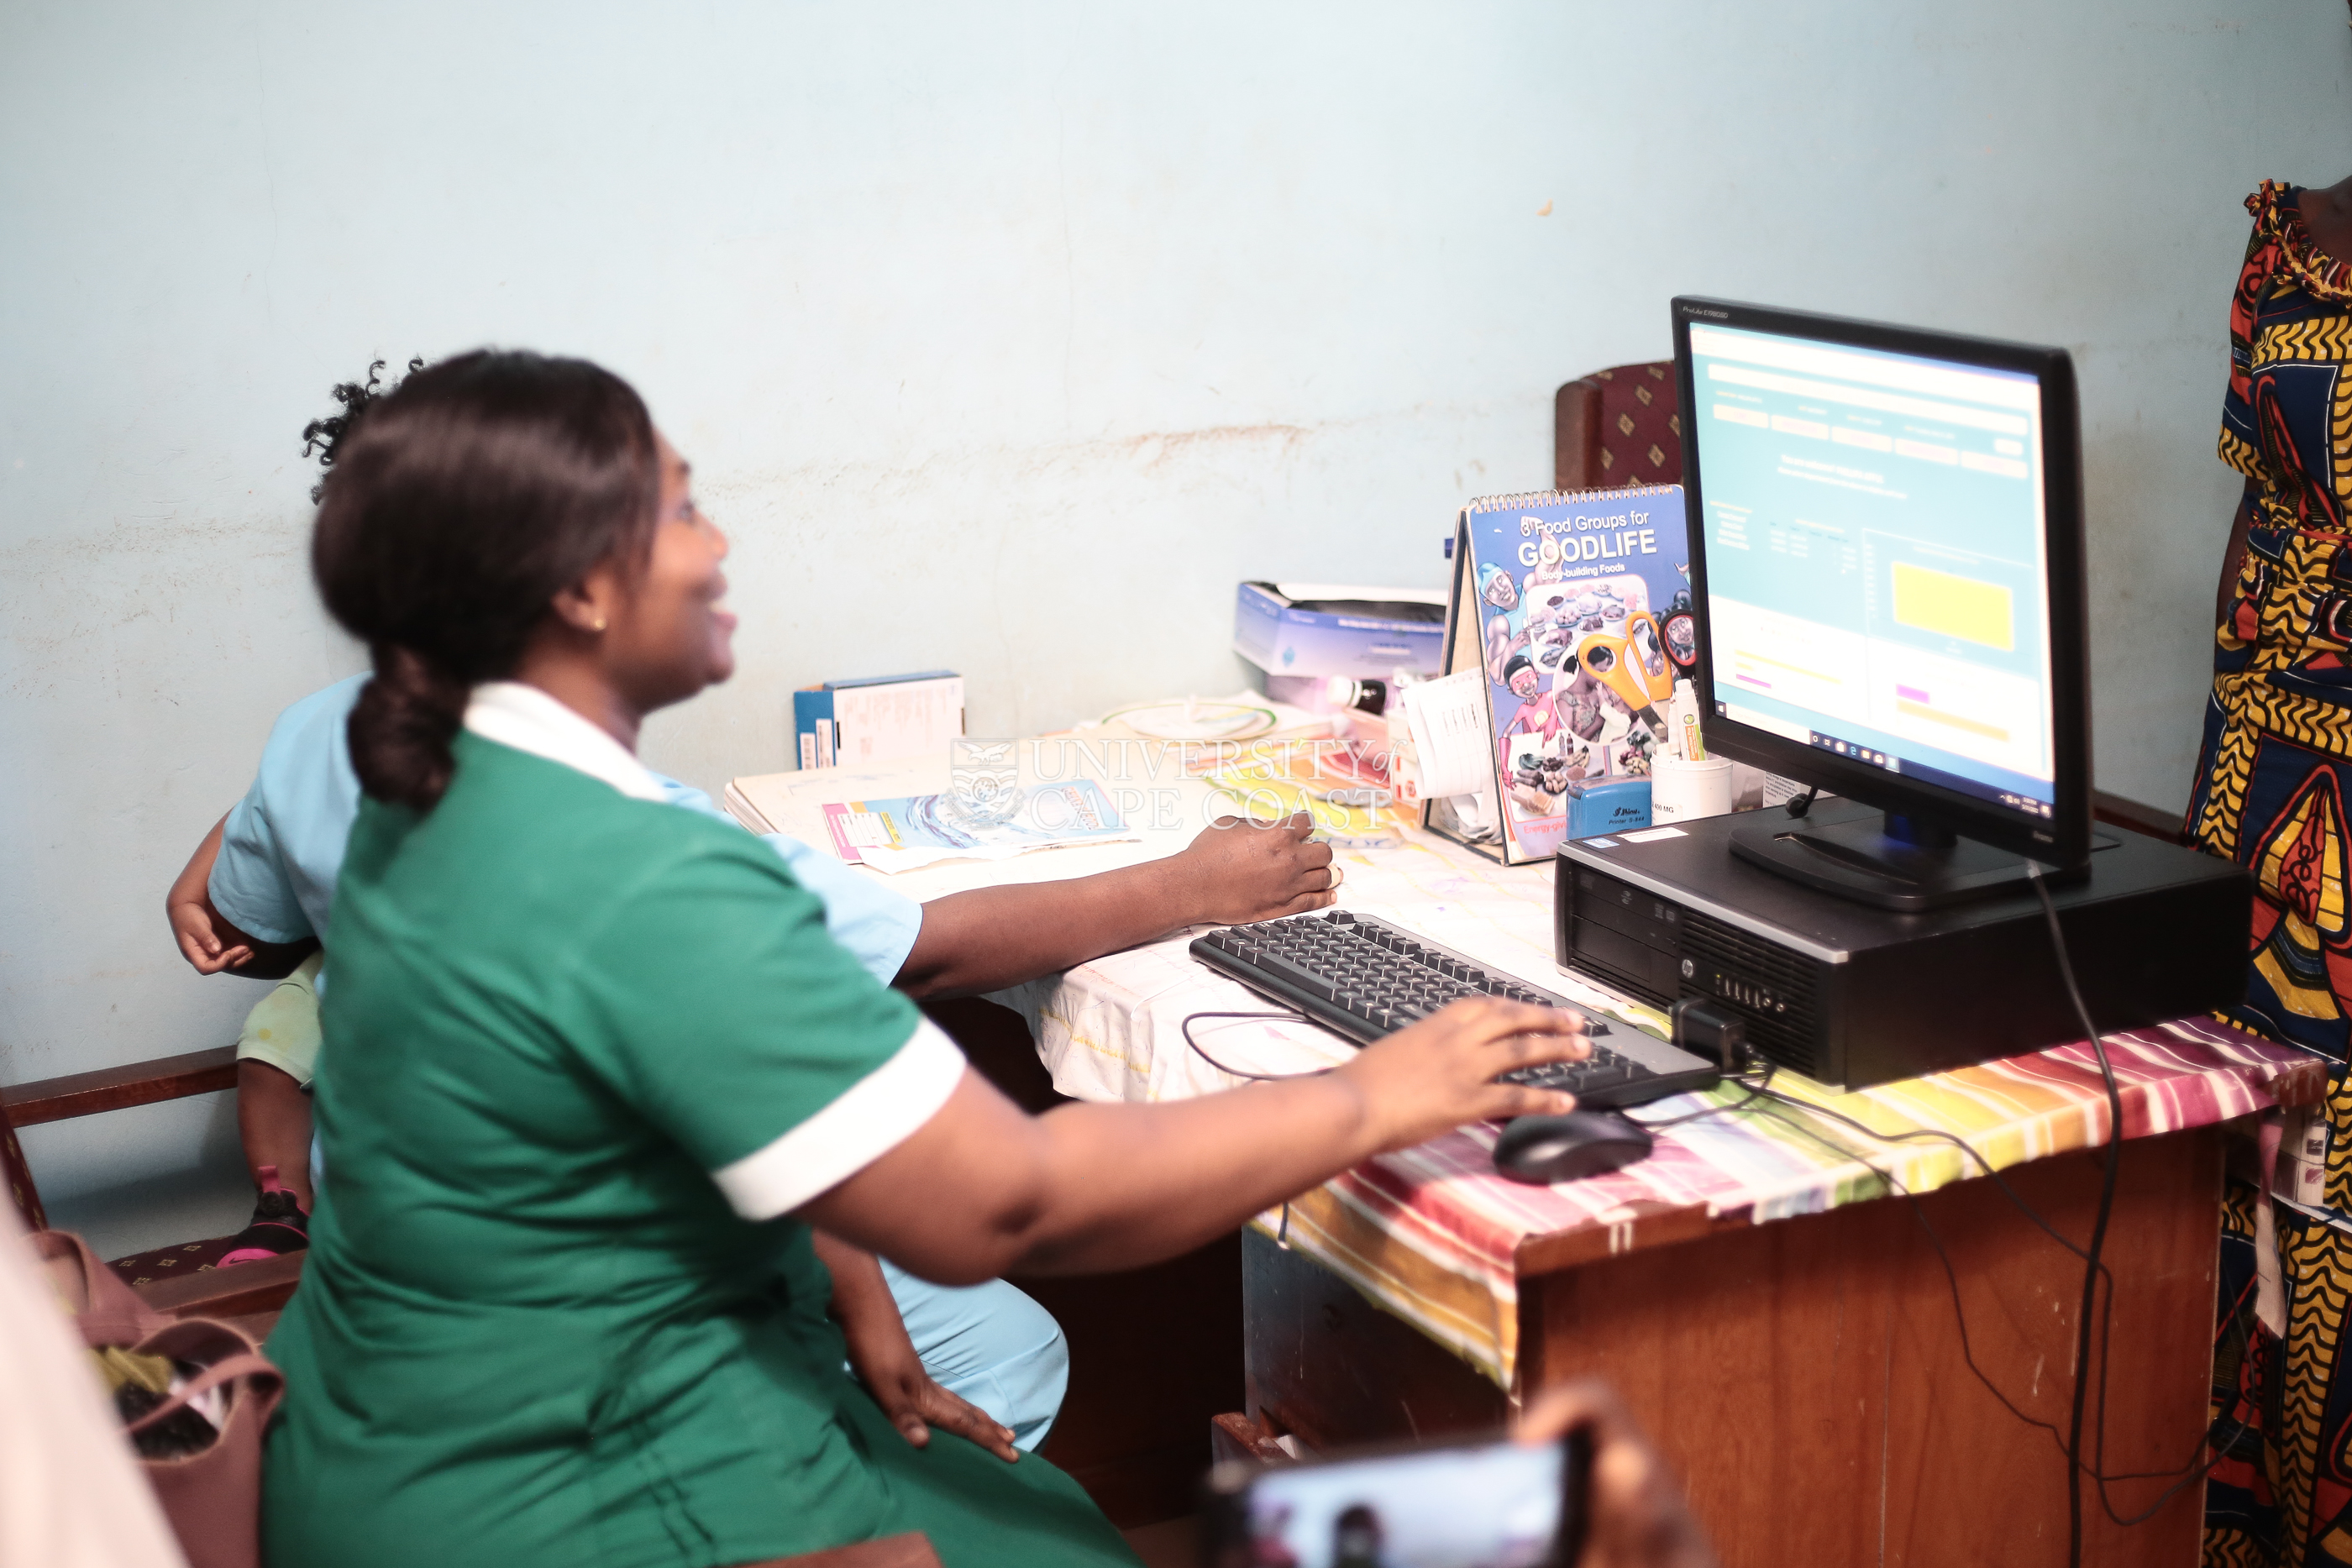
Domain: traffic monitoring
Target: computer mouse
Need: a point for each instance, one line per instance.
(1542, 1150)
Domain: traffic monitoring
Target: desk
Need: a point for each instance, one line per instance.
(1793, 1344)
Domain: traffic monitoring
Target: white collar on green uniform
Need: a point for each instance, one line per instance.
(528, 719)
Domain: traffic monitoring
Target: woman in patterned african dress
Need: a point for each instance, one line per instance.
(2273, 778)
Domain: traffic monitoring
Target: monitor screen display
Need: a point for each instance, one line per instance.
(1877, 580)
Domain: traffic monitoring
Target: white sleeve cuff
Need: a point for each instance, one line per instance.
(873, 1117)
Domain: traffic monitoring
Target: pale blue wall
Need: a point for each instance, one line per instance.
(1006, 338)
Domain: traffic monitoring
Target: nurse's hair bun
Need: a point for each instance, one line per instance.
(324, 434)
(460, 504)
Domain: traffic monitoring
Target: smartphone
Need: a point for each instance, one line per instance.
(1486, 1503)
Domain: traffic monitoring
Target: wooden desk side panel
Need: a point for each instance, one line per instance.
(1155, 1356)
(1326, 1366)
(1806, 1379)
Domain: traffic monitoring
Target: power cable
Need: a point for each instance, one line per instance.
(2114, 1163)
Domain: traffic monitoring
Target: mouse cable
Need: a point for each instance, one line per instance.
(1935, 1135)
(2091, 1271)
(2181, 1475)
(1281, 1232)
(1294, 1017)
(1763, 1088)
(1756, 1091)
(1780, 1112)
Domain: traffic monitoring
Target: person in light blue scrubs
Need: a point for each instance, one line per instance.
(282, 845)
(281, 849)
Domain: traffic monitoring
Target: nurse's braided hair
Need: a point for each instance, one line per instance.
(455, 506)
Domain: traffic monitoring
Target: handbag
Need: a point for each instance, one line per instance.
(212, 1495)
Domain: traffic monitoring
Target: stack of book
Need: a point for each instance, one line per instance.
(882, 718)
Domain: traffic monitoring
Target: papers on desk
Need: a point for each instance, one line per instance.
(1448, 718)
(1163, 818)
(917, 830)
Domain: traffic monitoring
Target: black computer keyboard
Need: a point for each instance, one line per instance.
(1362, 977)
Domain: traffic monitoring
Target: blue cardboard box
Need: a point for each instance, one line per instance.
(1365, 633)
(1608, 805)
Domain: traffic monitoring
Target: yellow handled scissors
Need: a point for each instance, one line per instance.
(1634, 666)
(1649, 655)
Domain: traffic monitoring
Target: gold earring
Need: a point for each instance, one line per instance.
(599, 626)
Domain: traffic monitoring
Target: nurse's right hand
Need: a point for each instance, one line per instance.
(1439, 1073)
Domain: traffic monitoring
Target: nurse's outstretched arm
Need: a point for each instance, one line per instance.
(1234, 872)
(982, 1188)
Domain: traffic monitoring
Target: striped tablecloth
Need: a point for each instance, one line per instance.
(1434, 1236)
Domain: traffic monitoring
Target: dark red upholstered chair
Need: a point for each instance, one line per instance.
(1618, 427)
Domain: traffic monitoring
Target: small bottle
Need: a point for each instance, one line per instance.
(1682, 717)
(1342, 693)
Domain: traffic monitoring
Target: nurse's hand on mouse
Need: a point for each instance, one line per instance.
(1437, 1074)
(982, 1188)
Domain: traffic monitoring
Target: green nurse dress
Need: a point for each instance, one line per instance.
(584, 1052)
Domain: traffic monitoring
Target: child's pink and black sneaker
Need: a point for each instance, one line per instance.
(279, 1225)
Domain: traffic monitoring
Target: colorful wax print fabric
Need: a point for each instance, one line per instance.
(2271, 791)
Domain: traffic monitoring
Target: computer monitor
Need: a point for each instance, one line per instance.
(1886, 576)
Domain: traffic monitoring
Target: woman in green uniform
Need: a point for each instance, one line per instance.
(561, 1305)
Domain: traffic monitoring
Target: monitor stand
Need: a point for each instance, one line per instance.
(1889, 862)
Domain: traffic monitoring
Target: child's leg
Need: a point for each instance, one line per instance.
(273, 1123)
(275, 1059)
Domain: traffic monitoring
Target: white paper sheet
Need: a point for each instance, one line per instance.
(1450, 735)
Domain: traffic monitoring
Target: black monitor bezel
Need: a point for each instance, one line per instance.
(2063, 840)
